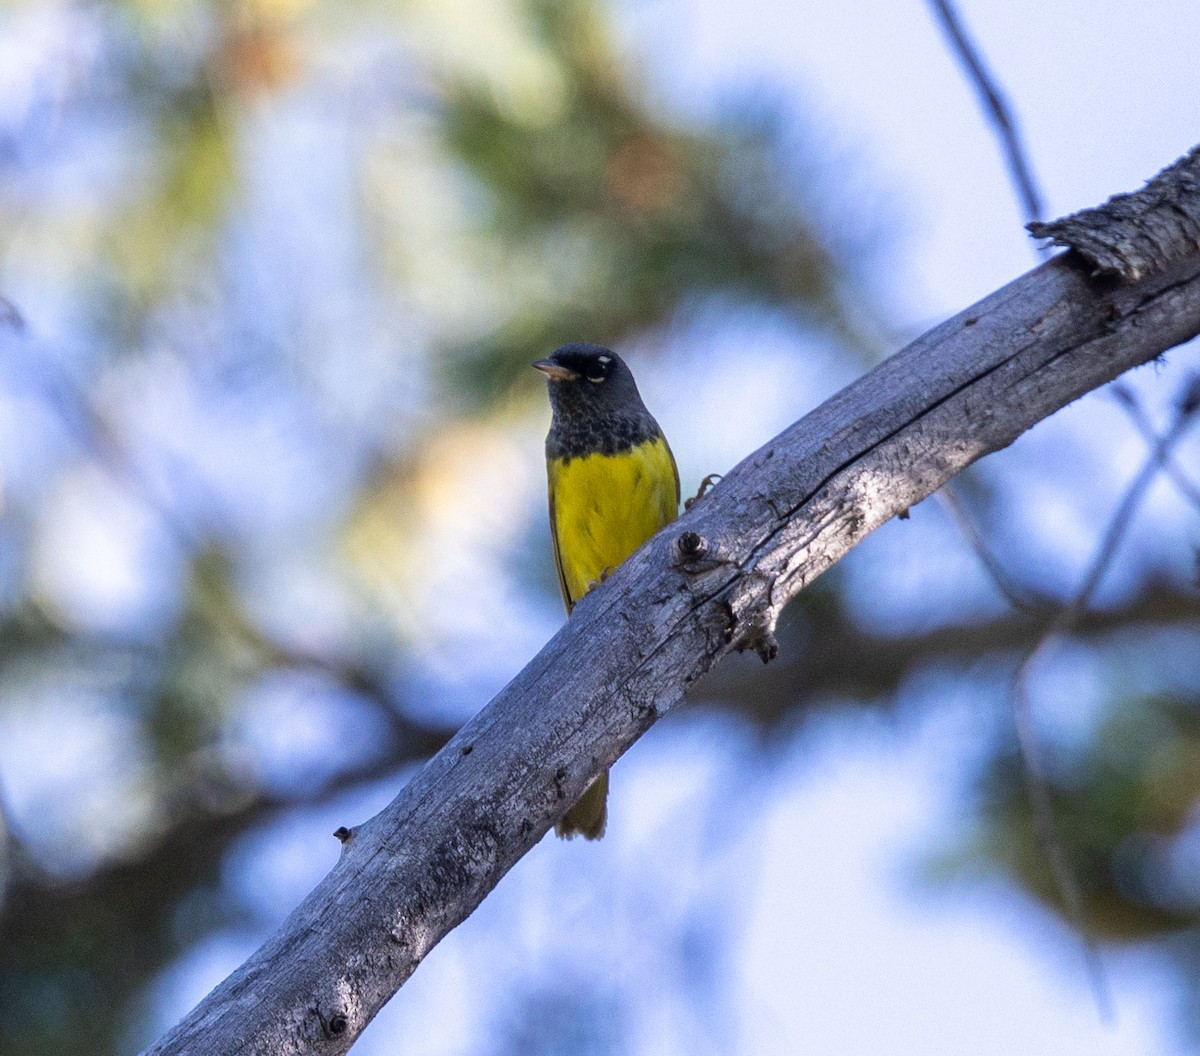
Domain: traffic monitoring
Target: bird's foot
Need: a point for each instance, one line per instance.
(705, 484)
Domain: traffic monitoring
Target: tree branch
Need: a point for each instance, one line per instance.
(713, 582)
(994, 106)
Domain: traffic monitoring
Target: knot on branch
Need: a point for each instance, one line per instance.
(1136, 235)
(692, 546)
(333, 1025)
(757, 633)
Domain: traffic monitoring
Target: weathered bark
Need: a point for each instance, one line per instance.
(712, 582)
(1144, 233)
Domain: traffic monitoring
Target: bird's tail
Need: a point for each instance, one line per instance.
(589, 815)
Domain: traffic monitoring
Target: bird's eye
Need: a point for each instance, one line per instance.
(600, 371)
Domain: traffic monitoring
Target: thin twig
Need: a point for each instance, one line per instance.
(10, 316)
(8, 850)
(1021, 173)
(1027, 192)
(1019, 597)
(1040, 801)
(994, 105)
(1137, 414)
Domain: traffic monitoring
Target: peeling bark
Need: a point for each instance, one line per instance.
(1144, 233)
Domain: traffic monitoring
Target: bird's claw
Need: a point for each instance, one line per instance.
(705, 484)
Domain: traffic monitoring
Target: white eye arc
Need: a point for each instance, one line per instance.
(606, 360)
(596, 381)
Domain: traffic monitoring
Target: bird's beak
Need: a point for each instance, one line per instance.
(555, 371)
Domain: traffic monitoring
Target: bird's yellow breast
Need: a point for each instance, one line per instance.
(603, 507)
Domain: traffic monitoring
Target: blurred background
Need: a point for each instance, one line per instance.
(274, 517)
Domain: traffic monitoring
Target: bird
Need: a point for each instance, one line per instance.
(612, 483)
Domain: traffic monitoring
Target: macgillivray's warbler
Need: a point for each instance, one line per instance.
(612, 484)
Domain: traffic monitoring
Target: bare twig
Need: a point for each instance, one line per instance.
(777, 521)
(10, 316)
(1020, 598)
(1022, 175)
(1124, 514)
(1060, 627)
(1025, 186)
(994, 105)
(8, 851)
(1171, 467)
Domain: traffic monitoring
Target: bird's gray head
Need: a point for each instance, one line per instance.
(591, 380)
(595, 400)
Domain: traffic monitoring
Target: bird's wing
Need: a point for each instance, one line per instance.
(674, 469)
(558, 563)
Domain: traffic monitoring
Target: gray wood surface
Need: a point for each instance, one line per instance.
(712, 582)
(1141, 233)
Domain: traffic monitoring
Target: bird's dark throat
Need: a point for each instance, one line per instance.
(599, 435)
